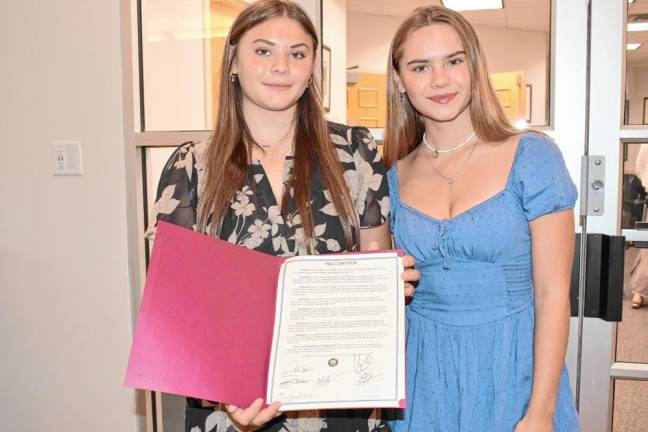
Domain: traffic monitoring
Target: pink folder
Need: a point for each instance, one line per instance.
(205, 323)
(206, 320)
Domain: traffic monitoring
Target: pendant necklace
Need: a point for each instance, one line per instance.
(435, 151)
(450, 179)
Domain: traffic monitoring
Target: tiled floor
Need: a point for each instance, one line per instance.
(631, 397)
(630, 406)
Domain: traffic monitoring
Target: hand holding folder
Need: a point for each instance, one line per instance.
(225, 323)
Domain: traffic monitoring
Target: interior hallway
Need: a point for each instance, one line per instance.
(631, 397)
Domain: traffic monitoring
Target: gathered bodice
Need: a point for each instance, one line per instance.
(476, 266)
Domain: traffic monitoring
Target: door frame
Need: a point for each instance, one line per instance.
(606, 137)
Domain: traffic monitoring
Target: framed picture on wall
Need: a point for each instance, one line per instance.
(645, 111)
(326, 78)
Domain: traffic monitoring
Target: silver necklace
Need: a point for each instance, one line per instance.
(281, 155)
(450, 179)
(435, 151)
(275, 155)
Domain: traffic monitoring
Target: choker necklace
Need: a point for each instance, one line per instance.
(435, 151)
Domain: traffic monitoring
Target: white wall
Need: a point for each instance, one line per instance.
(334, 20)
(516, 50)
(367, 47)
(506, 50)
(65, 321)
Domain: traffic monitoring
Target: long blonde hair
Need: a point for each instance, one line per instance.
(404, 128)
(229, 151)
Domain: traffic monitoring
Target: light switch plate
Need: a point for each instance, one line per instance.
(66, 158)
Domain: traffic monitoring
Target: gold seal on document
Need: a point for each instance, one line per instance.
(333, 362)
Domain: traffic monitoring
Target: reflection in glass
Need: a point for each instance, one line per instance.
(182, 45)
(516, 41)
(630, 402)
(635, 175)
(636, 100)
(632, 332)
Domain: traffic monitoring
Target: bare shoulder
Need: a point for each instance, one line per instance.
(407, 167)
(506, 147)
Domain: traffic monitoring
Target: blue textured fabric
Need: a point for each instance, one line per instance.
(470, 324)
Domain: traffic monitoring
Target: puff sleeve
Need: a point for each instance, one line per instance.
(541, 178)
(177, 195)
(364, 173)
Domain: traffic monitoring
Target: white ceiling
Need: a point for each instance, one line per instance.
(531, 15)
(638, 12)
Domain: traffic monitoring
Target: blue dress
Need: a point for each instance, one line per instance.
(470, 323)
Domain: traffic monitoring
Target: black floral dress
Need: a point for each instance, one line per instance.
(254, 220)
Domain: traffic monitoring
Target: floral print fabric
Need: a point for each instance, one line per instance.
(254, 220)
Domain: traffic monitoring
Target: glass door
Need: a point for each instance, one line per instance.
(613, 361)
(630, 367)
(569, 59)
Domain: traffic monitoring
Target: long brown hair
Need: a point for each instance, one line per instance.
(228, 153)
(404, 128)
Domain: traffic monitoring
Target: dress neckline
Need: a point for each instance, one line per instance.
(470, 209)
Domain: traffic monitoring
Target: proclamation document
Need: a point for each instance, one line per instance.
(338, 338)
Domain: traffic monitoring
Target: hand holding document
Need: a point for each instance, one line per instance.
(221, 322)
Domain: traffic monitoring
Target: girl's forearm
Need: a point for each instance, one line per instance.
(550, 345)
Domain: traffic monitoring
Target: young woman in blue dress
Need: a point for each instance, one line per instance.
(487, 213)
(277, 178)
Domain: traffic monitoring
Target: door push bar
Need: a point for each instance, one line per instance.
(604, 278)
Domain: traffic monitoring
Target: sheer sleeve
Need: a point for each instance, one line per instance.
(542, 179)
(177, 193)
(364, 173)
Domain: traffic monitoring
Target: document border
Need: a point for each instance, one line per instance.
(387, 256)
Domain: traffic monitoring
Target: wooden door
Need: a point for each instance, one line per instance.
(367, 101)
(511, 92)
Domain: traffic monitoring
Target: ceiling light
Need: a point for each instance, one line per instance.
(468, 5)
(633, 46)
(639, 26)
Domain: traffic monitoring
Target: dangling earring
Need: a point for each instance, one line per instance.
(310, 81)
(401, 96)
(233, 77)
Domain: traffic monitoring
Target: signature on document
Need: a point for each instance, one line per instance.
(295, 367)
(362, 366)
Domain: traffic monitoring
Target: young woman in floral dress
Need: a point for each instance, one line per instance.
(277, 178)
